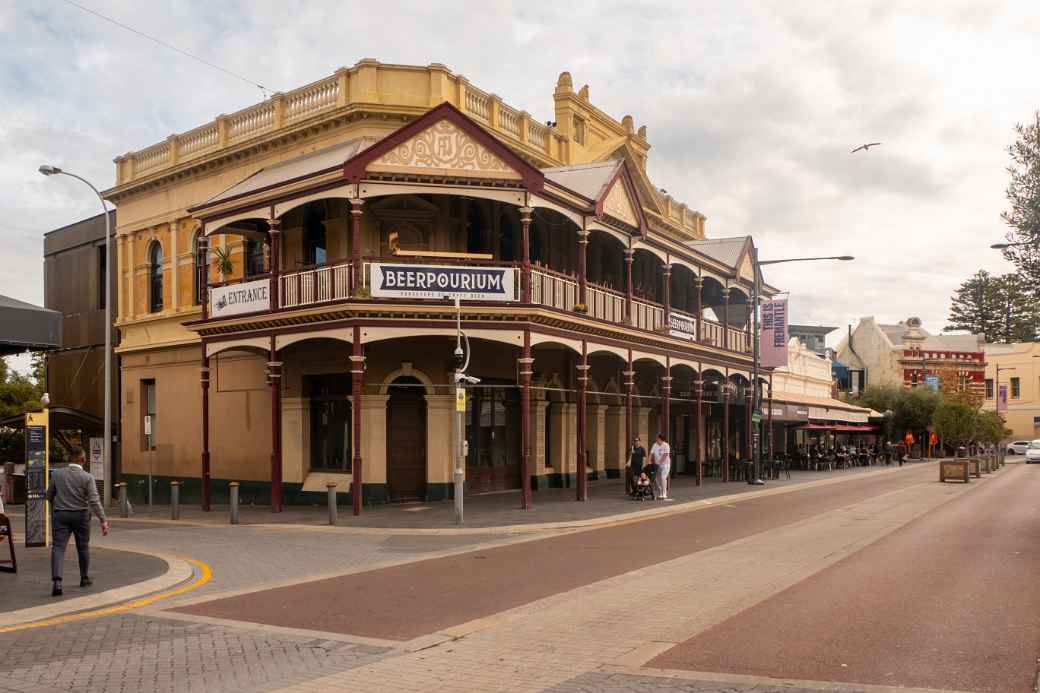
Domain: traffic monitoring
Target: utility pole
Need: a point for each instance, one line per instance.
(461, 380)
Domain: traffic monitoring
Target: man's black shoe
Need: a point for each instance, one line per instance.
(85, 582)
(56, 591)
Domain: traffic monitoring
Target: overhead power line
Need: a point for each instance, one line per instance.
(262, 88)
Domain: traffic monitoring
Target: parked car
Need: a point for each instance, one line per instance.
(1018, 447)
(1033, 452)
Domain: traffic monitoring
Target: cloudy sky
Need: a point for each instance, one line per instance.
(751, 108)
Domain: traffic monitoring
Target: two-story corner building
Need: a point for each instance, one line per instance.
(303, 256)
(1019, 374)
(907, 354)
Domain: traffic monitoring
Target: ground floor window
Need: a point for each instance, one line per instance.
(331, 421)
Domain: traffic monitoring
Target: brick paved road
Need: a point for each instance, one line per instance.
(596, 682)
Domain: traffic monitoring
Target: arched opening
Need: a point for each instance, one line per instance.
(606, 261)
(155, 277)
(647, 277)
(683, 292)
(406, 439)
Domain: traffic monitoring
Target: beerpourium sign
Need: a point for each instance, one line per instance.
(682, 326)
(236, 299)
(438, 281)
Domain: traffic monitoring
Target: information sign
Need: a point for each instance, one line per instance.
(97, 458)
(36, 479)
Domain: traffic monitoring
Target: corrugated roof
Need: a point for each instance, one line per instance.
(725, 250)
(588, 180)
(24, 327)
(935, 342)
(299, 167)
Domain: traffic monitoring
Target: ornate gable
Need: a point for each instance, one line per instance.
(618, 203)
(745, 270)
(443, 149)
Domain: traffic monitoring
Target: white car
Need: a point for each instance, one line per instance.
(1033, 452)
(1018, 447)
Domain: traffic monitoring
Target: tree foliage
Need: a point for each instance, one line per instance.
(1001, 309)
(912, 410)
(18, 394)
(1023, 195)
(956, 423)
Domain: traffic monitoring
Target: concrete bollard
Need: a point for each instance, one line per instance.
(175, 500)
(332, 503)
(124, 504)
(234, 502)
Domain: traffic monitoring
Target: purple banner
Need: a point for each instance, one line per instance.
(772, 347)
(1002, 396)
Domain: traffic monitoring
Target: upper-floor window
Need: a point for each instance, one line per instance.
(579, 130)
(1016, 388)
(155, 277)
(254, 251)
(989, 388)
(201, 273)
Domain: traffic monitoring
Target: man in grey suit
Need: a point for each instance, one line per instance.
(73, 496)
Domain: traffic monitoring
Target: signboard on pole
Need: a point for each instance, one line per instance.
(36, 479)
(236, 299)
(387, 280)
(932, 381)
(97, 458)
(1002, 398)
(772, 346)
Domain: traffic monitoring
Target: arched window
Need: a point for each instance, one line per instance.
(155, 277)
(200, 273)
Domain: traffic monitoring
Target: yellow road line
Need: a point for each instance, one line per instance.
(205, 573)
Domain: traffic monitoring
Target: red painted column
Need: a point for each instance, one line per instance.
(698, 287)
(725, 430)
(274, 228)
(355, 243)
(526, 371)
(274, 373)
(357, 370)
(698, 395)
(629, 257)
(667, 297)
(204, 381)
(525, 267)
(583, 284)
(583, 380)
(725, 318)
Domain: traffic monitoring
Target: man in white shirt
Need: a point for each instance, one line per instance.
(661, 455)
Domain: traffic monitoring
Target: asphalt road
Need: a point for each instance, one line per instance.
(949, 601)
(404, 602)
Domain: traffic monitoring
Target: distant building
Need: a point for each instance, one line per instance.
(907, 354)
(1020, 373)
(814, 337)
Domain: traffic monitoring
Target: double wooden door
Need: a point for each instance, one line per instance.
(406, 442)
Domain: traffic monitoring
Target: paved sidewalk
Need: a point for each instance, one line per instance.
(501, 511)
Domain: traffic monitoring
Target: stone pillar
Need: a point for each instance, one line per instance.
(596, 438)
(562, 416)
(629, 257)
(583, 285)
(440, 442)
(538, 451)
(275, 230)
(355, 245)
(616, 445)
(204, 381)
(357, 370)
(525, 267)
(698, 290)
(526, 364)
(580, 466)
(274, 374)
(698, 422)
(725, 318)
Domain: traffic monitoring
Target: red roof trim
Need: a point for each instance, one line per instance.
(354, 169)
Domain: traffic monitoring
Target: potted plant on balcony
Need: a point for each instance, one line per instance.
(222, 262)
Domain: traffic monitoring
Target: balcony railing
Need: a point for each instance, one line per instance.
(329, 283)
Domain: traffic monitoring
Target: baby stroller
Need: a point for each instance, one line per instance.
(644, 484)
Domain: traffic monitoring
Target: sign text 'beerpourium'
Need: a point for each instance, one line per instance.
(440, 281)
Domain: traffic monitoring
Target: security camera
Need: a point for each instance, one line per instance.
(468, 379)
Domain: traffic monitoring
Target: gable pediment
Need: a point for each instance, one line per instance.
(619, 204)
(746, 270)
(444, 149)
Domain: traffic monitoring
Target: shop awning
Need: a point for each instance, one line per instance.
(838, 428)
(25, 327)
(825, 408)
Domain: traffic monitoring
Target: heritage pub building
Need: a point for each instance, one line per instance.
(288, 277)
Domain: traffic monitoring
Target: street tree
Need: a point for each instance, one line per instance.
(956, 423)
(1023, 195)
(18, 394)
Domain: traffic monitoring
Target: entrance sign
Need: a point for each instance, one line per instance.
(439, 281)
(97, 458)
(236, 299)
(773, 338)
(36, 464)
(682, 327)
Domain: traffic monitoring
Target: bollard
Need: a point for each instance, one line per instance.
(175, 500)
(124, 504)
(332, 502)
(234, 502)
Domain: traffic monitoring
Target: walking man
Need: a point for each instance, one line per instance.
(661, 455)
(636, 457)
(73, 496)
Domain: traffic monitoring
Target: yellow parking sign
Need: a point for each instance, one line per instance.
(460, 399)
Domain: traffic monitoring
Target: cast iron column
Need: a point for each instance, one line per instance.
(629, 255)
(357, 370)
(204, 381)
(274, 228)
(525, 267)
(667, 297)
(274, 372)
(355, 244)
(698, 395)
(583, 284)
(526, 364)
(698, 287)
(583, 380)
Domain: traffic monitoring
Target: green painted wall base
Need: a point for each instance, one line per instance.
(249, 492)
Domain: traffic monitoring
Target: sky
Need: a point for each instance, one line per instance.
(751, 108)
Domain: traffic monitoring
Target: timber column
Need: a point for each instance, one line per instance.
(275, 230)
(629, 256)
(357, 370)
(583, 381)
(355, 244)
(525, 267)
(698, 286)
(526, 365)
(204, 381)
(725, 317)
(698, 396)
(274, 374)
(725, 429)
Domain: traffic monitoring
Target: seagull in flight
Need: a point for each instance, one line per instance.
(865, 147)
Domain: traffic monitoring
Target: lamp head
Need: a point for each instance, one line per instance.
(845, 258)
(1000, 246)
(48, 170)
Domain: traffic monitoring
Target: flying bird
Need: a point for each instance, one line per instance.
(865, 147)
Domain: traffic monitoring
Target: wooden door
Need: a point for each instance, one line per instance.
(406, 444)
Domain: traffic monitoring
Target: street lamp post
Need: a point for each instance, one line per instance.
(107, 462)
(756, 392)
